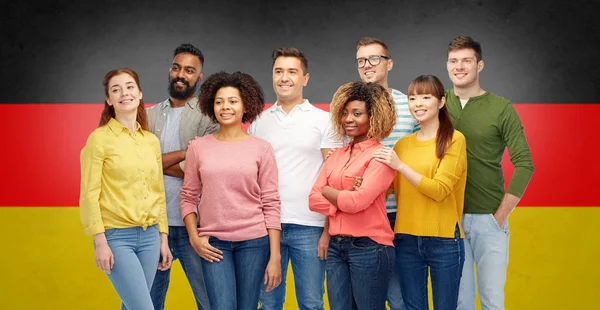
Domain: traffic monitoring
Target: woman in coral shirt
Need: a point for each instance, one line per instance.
(361, 255)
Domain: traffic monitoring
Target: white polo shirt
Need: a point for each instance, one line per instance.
(297, 139)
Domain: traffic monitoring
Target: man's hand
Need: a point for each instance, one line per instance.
(323, 245)
(331, 151)
(500, 220)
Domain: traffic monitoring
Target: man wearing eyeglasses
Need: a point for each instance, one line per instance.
(374, 62)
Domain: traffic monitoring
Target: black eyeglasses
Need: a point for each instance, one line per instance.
(373, 60)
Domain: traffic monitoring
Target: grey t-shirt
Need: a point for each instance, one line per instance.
(169, 142)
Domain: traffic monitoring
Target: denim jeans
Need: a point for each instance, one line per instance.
(442, 257)
(358, 273)
(486, 246)
(136, 253)
(191, 262)
(299, 245)
(234, 283)
(394, 295)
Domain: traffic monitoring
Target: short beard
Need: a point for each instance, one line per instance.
(187, 92)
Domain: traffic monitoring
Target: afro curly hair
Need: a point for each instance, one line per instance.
(251, 94)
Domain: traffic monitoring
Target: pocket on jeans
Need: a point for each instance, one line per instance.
(109, 232)
(454, 239)
(445, 240)
(495, 224)
(365, 243)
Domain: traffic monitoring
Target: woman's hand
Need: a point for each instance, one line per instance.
(205, 250)
(103, 255)
(388, 156)
(272, 274)
(357, 183)
(165, 253)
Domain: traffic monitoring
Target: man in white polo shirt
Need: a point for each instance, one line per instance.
(301, 136)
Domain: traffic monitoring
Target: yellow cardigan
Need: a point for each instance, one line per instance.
(435, 206)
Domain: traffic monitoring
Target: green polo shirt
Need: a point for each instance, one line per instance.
(490, 123)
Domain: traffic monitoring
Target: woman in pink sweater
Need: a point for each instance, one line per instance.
(360, 257)
(239, 231)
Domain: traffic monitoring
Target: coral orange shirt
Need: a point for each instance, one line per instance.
(360, 212)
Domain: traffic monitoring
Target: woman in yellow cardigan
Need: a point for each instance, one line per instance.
(432, 171)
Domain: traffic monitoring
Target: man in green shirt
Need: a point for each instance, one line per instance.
(490, 124)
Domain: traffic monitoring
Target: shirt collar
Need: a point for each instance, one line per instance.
(364, 145)
(192, 103)
(118, 128)
(304, 106)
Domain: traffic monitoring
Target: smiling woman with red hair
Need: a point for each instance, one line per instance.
(122, 199)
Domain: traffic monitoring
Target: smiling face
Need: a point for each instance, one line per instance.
(184, 75)
(463, 67)
(374, 73)
(124, 95)
(355, 120)
(228, 106)
(289, 78)
(425, 107)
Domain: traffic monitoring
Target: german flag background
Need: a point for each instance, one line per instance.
(542, 55)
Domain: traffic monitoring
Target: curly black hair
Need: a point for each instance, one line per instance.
(252, 94)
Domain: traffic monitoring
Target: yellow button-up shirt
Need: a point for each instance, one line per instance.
(121, 180)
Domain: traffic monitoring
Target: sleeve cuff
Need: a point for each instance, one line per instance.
(94, 229)
(277, 227)
(185, 212)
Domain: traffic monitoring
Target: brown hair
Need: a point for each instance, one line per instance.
(109, 111)
(378, 101)
(466, 42)
(251, 93)
(430, 84)
(369, 41)
(290, 52)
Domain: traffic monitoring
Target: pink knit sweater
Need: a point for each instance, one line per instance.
(238, 182)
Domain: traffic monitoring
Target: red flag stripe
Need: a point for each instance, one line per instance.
(40, 162)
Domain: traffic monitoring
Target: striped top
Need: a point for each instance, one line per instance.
(406, 124)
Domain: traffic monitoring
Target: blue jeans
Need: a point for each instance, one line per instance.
(136, 253)
(234, 283)
(394, 295)
(191, 262)
(444, 257)
(486, 246)
(358, 273)
(299, 244)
